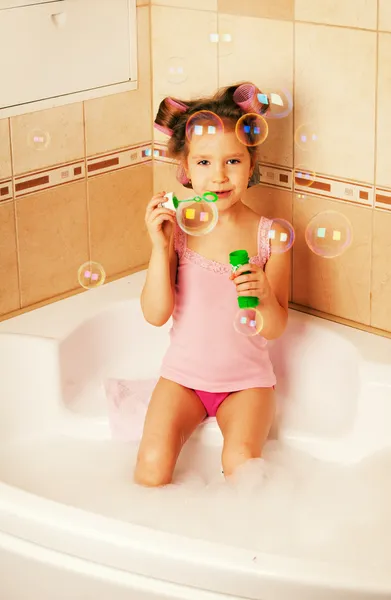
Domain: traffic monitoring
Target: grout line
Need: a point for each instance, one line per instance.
(87, 187)
(152, 79)
(374, 165)
(15, 212)
(350, 27)
(293, 142)
(218, 45)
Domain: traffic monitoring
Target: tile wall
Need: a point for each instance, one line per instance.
(80, 192)
(74, 181)
(331, 152)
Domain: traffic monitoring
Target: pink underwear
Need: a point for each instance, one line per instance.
(211, 400)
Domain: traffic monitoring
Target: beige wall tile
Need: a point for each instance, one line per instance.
(9, 285)
(385, 15)
(164, 180)
(338, 286)
(47, 137)
(335, 100)
(178, 59)
(383, 162)
(251, 60)
(271, 203)
(351, 13)
(142, 2)
(381, 271)
(195, 4)
(124, 119)
(5, 153)
(269, 9)
(53, 244)
(119, 240)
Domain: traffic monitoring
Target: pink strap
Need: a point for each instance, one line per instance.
(263, 239)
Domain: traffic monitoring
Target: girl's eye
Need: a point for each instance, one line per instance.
(234, 160)
(203, 162)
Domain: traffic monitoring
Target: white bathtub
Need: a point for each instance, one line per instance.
(334, 395)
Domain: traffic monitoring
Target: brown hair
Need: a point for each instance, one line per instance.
(173, 115)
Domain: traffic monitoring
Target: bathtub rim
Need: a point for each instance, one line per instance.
(91, 536)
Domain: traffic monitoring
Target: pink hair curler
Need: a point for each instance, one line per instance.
(176, 104)
(246, 96)
(163, 129)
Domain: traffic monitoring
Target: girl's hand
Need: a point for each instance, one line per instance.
(159, 222)
(254, 283)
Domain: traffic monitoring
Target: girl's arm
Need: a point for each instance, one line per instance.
(158, 295)
(274, 308)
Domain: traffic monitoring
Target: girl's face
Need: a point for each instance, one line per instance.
(219, 163)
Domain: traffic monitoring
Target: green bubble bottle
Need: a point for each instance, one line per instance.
(248, 320)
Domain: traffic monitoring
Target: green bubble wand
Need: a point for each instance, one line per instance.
(173, 202)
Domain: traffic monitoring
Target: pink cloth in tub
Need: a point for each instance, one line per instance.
(127, 406)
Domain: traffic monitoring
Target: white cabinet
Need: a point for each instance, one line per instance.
(59, 49)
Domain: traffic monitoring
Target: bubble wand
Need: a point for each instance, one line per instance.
(172, 201)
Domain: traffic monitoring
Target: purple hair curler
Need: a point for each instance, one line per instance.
(176, 104)
(246, 96)
(163, 129)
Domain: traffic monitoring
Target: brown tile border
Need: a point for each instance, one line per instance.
(6, 190)
(272, 175)
(51, 177)
(119, 159)
(43, 179)
(383, 198)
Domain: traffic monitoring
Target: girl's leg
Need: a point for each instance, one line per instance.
(173, 414)
(245, 419)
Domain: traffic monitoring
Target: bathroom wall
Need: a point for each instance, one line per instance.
(333, 59)
(74, 182)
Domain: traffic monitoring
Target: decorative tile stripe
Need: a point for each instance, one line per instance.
(127, 157)
(303, 181)
(276, 176)
(309, 183)
(160, 153)
(6, 190)
(383, 198)
(49, 178)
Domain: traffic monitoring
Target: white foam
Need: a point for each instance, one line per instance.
(286, 502)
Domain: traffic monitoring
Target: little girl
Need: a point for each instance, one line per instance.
(209, 368)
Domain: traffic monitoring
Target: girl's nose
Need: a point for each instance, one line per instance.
(220, 175)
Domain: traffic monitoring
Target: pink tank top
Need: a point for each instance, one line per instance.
(206, 352)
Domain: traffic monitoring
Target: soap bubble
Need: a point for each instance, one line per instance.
(281, 235)
(39, 139)
(91, 275)
(203, 123)
(197, 218)
(304, 177)
(251, 129)
(176, 70)
(329, 234)
(248, 322)
(280, 103)
(306, 137)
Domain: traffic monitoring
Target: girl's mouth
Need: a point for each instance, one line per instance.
(223, 195)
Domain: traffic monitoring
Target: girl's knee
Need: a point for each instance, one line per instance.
(155, 465)
(237, 454)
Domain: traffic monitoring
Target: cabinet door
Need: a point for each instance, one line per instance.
(62, 47)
